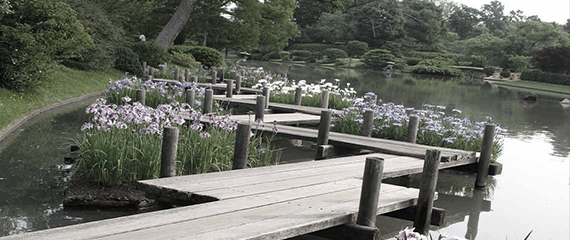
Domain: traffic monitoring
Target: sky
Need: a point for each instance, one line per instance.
(547, 10)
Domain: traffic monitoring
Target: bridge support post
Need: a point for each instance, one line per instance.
(368, 123)
(241, 146)
(370, 191)
(214, 76)
(208, 101)
(186, 75)
(298, 96)
(190, 97)
(413, 129)
(427, 191)
(229, 88)
(266, 94)
(141, 96)
(168, 154)
(151, 72)
(176, 74)
(144, 67)
(485, 158)
(325, 99)
(260, 108)
(194, 79)
(238, 84)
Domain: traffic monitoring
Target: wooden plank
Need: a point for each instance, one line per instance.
(164, 217)
(261, 220)
(213, 181)
(240, 96)
(287, 107)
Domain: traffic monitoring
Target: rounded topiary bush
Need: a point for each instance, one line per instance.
(300, 55)
(356, 48)
(413, 61)
(377, 58)
(151, 53)
(505, 73)
(334, 53)
(127, 60)
(184, 59)
(207, 56)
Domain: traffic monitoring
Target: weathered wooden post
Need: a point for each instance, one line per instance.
(324, 128)
(190, 97)
(214, 76)
(194, 79)
(147, 78)
(208, 101)
(241, 146)
(151, 73)
(141, 96)
(413, 129)
(238, 84)
(144, 67)
(229, 88)
(371, 182)
(222, 75)
(368, 123)
(485, 157)
(260, 108)
(176, 74)
(298, 96)
(266, 93)
(427, 191)
(325, 99)
(186, 75)
(169, 148)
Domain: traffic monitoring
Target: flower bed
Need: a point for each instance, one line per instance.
(122, 143)
(439, 126)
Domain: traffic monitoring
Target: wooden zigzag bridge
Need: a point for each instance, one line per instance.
(333, 197)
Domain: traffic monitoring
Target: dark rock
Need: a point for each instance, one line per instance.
(527, 96)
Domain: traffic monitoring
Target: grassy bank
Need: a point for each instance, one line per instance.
(63, 84)
(557, 91)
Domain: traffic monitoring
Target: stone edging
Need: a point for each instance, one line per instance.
(12, 128)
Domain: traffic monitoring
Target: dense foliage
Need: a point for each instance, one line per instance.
(538, 76)
(378, 58)
(208, 57)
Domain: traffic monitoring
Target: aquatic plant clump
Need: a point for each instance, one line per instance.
(409, 234)
(284, 92)
(156, 92)
(439, 126)
(122, 143)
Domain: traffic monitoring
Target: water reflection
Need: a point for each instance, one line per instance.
(31, 180)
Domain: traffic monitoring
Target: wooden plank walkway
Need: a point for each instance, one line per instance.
(273, 202)
(283, 107)
(277, 118)
(374, 144)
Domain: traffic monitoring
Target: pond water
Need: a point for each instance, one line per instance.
(531, 194)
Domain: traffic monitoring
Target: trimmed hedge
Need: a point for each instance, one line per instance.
(207, 56)
(539, 76)
(334, 53)
(313, 47)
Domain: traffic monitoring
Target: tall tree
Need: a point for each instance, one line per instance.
(379, 23)
(494, 18)
(176, 24)
(463, 21)
(424, 25)
(277, 24)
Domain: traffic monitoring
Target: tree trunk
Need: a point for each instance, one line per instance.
(176, 24)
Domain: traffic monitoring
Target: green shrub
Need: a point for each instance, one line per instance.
(539, 76)
(334, 53)
(33, 35)
(285, 56)
(437, 67)
(23, 69)
(151, 53)
(377, 58)
(184, 59)
(127, 60)
(356, 48)
(432, 55)
(313, 47)
(271, 55)
(207, 56)
(105, 34)
(412, 61)
(505, 73)
(489, 70)
(300, 55)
